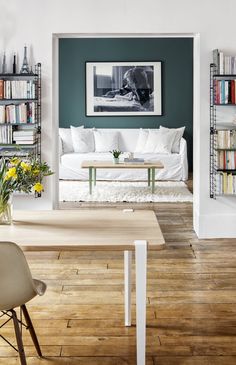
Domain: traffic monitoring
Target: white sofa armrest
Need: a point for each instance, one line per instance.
(184, 158)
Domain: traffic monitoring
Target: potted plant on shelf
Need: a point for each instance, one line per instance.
(116, 154)
(19, 175)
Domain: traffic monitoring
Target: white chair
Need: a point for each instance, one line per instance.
(17, 287)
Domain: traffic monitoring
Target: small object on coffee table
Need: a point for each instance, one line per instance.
(116, 154)
(134, 160)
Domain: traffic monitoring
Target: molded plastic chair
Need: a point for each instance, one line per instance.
(17, 287)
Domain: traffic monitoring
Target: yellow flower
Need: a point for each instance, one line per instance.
(25, 166)
(36, 171)
(11, 173)
(38, 187)
(14, 161)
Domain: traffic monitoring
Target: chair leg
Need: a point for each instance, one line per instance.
(19, 338)
(31, 330)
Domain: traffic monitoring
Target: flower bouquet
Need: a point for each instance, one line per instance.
(19, 175)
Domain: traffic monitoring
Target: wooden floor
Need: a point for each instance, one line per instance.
(191, 305)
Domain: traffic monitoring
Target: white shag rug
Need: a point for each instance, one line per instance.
(116, 191)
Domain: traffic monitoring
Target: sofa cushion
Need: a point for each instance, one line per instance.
(142, 140)
(106, 141)
(159, 141)
(178, 134)
(82, 139)
(66, 139)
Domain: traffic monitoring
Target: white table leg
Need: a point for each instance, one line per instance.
(141, 292)
(128, 286)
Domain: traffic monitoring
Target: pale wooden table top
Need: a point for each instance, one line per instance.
(101, 229)
(122, 165)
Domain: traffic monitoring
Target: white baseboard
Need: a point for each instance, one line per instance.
(215, 226)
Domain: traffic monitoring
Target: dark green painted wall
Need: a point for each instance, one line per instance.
(177, 80)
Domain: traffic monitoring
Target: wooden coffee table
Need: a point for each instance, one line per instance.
(94, 165)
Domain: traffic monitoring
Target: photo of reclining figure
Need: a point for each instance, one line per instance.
(124, 88)
(138, 83)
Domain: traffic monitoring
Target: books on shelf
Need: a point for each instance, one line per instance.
(6, 134)
(226, 139)
(18, 113)
(227, 160)
(17, 89)
(225, 92)
(24, 136)
(226, 183)
(226, 65)
(11, 150)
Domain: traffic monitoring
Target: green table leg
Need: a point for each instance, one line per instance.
(153, 180)
(149, 176)
(90, 180)
(94, 176)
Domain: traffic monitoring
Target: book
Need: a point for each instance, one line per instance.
(25, 142)
(221, 63)
(24, 138)
(216, 58)
(226, 92)
(24, 132)
(233, 91)
(1, 89)
(2, 114)
(134, 160)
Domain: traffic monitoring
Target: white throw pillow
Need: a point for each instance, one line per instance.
(142, 139)
(178, 134)
(83, 140)
(65, 135)
(106, 141)
(159, 142)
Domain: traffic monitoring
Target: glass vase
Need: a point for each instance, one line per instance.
(6, 211)
(116, 160)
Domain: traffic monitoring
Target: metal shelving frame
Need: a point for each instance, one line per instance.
(36, 76)
(212, 134)
(214, 171)
(25, 149)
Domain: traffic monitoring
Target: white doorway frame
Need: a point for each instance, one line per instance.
(196, 98)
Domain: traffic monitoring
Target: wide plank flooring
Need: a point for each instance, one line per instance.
(191, 301)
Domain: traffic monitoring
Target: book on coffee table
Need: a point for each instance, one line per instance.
(134, 160)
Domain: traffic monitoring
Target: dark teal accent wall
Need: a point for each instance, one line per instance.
(177, 80)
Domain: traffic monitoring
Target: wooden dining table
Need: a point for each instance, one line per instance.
(98, 229)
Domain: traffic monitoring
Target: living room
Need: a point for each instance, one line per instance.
(186, 313)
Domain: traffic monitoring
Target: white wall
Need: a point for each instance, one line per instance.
(33, 23)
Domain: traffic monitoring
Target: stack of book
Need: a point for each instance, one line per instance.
(24, 136)
(226, 65)
(5, 134)
(226, 138)
(17, 89)
(20, 113)
(226, 183)
(134, 160)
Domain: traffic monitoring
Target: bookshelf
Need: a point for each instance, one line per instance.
(222, 135)
(20, 113)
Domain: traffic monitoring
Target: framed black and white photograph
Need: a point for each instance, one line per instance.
(123, 88)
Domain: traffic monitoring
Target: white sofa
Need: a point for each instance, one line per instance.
(175, 164)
